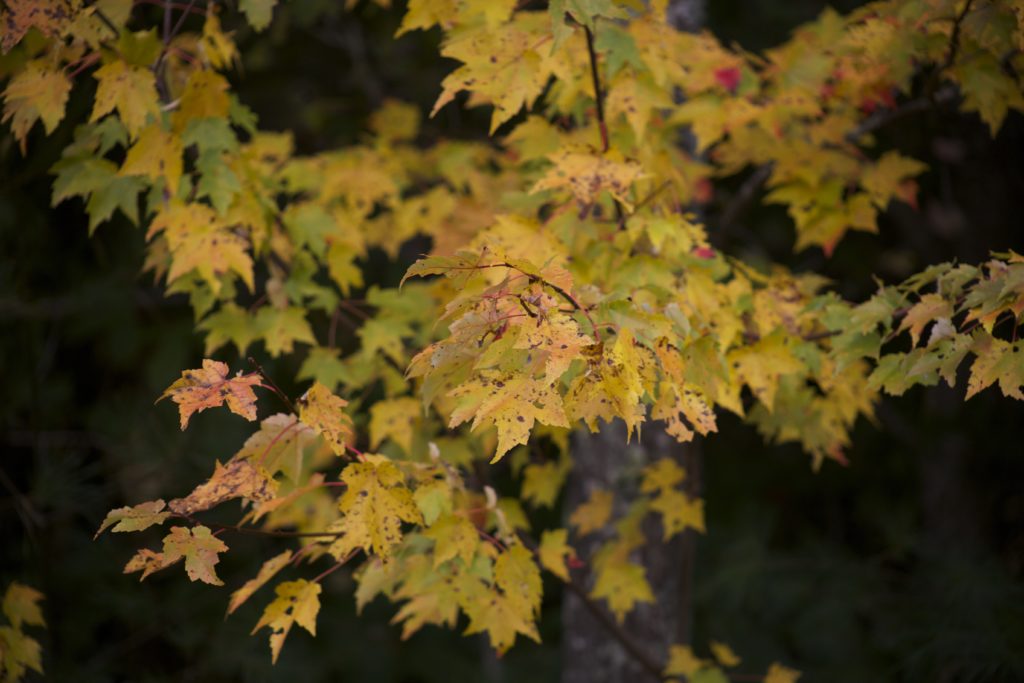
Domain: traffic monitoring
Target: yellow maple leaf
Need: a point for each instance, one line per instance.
(504, 68)
(394, 419)
(623, 584)
(554, 550)
(209, 387)
(682, 661)
(157, 154)
(587, 174)
(131, 90)
(594, 513)
(375, 503)
(611, 387)
(267, 571)
(512, 403)
(453, 536)
(297, 602)
(678, 512)
(205, 96)
(724, 654)
(781, 674)
(516, 573)
(929, 308)
(325, 413)
(134, 518)
(197, 546)
(35, 93)
(996, 361)
(501, 618)
(761, 364)
(662, 474)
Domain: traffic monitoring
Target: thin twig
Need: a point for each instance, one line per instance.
(598, 93)
(337, 565)
(273, 387)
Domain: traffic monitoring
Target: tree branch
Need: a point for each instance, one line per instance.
(615, 630)
(598, 93)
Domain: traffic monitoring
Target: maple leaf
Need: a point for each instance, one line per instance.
(209, 387)
(375, 503)
(134, 518)
(930, 307)
(501, 618)
(21, 605)
(542, 482)
(512, 403)
(678, 512)
(453, 536)
(997, 361)
(18, 653)
(325, 414)
(586, 175)
(34, 94)
(683, 662)
(394, 419)
(760, 365)
(157, 155)
(611, 387)
(554, 550)
(297, 602)
(592, 515)
(505, 68)
(131, 90)
(199, 241)
(623, 584)
(199, 548)
(724, 654)
(516, 573)
(237, 479)
(49, 17)
(278, 446)
(781, 674)
(280, 328)
(584, 12)
(661, 475)
(267, 571)
(557, 337)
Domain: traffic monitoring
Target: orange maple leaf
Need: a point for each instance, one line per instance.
(210, 387)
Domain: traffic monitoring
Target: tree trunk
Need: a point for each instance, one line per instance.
(590, 652)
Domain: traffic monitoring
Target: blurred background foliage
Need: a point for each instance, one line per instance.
(907, 565)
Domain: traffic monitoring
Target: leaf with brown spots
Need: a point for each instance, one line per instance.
(49, 17)
(375, 503)
(209, 387)
(237, 479)
(325, 413)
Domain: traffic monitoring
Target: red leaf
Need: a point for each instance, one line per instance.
(728, 78)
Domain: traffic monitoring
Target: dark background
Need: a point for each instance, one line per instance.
(906, 565)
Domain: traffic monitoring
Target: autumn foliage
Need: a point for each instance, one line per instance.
(570, 283)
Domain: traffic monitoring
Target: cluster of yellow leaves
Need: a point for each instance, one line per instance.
(20, 652)
(575, 289)
(683, 662)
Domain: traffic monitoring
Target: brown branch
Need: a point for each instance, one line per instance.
(335, 567)
(598, 93)
(616, 631)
